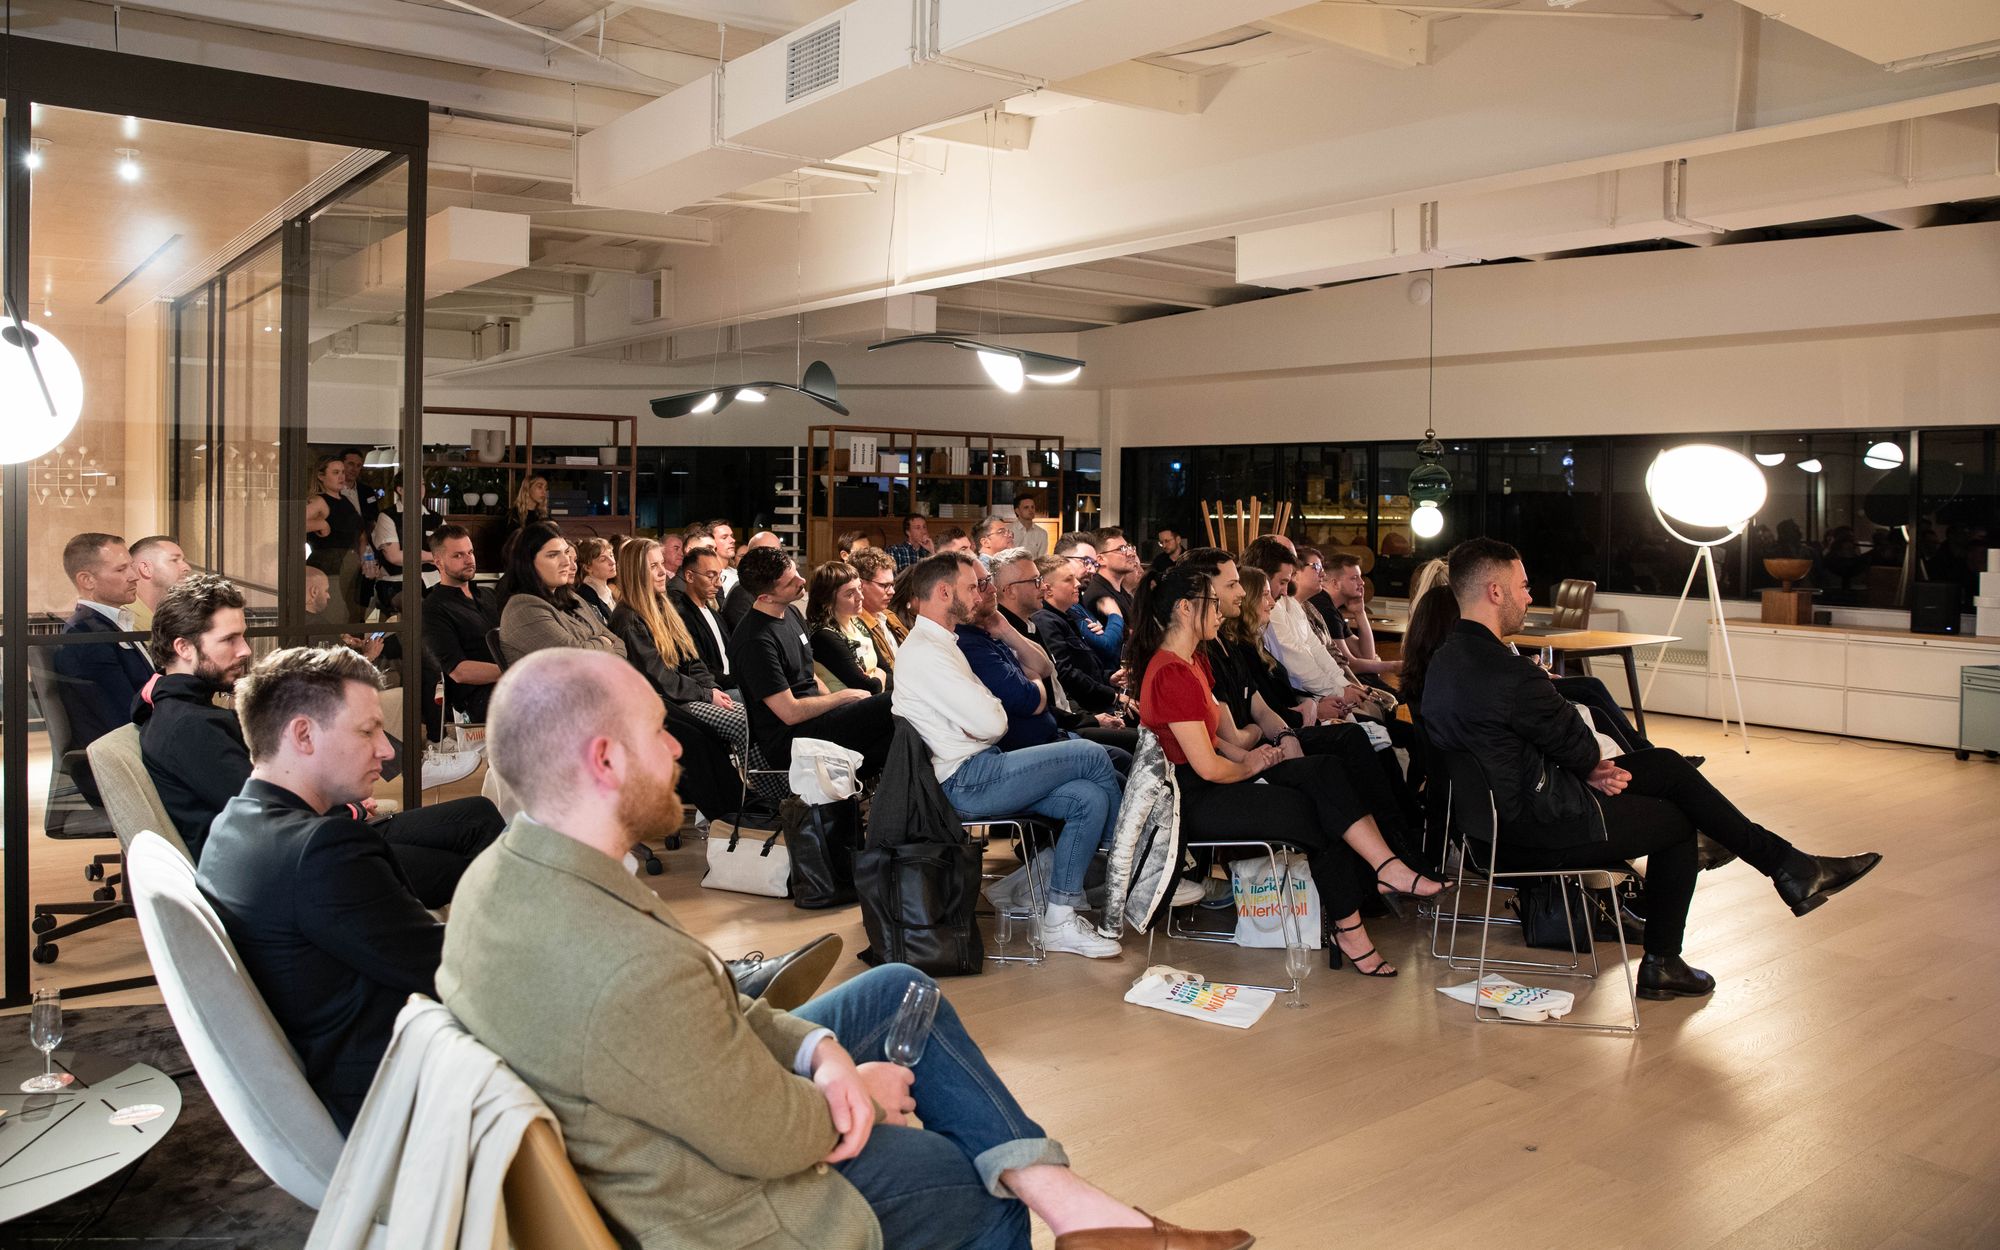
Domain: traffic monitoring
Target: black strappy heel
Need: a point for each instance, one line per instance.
(1334, 955)
(1389, 891)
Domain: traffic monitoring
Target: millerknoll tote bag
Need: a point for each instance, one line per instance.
(1261, 918)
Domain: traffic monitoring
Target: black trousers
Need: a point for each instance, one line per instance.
(707, 776)
(435, 844)
(1657, 816)
(864, 725)
(1308, 805)
(1611, 719)
(1374, 774)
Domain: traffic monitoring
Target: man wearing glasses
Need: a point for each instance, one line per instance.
(878, 586)
(1109, 593)
(697, 597)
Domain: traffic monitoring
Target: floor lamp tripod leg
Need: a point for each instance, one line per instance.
(1675, 620)
(1728, 656)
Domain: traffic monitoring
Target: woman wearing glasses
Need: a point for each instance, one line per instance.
(1308, 803)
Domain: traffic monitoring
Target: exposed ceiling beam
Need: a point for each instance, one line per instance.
(588, 254)
(448, 35)
(1017, 303)
(771, 17)
(1002, 132)
(498, 156)
(1122, 287)
(1379, 34)
(1136, 84)
(591, 23)
(1916, 218)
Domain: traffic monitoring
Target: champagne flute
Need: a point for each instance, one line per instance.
(911, 1028)
(45, 1033)
(1298, 965)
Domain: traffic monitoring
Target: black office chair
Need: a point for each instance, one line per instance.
(73, 809)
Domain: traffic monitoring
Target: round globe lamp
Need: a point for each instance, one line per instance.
(1426, 521)
(40, 410)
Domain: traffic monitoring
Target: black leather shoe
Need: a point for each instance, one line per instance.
(1695, 761)
(1668, 976)
(1709, 853)
(1809, 880)
(789, 980)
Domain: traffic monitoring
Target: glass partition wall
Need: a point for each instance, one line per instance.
(212, 268)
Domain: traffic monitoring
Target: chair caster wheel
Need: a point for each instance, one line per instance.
(42, 923)
(673, 842)
(654, 867)
(104, 894)
(1961, 755)
(44, 954)
(93, 872)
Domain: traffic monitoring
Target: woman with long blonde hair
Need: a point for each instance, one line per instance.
(658, 644)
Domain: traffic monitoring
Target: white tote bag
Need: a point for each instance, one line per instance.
(824, 772)
(1186, 994)
(747, 865)
(1261, 918)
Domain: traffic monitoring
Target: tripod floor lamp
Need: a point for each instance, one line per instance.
(1705, 487)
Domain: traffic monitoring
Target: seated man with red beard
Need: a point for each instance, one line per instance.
(696, 1116)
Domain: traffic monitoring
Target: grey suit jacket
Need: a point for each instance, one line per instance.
(675, 1093)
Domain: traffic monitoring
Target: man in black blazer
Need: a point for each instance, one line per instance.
(97, 682)
(1562, 805)
(696, 598)
(328, 926)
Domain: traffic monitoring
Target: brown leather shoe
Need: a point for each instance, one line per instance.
(1161, 1236)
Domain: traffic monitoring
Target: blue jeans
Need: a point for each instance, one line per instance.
(937, 1187)
(1071, 781)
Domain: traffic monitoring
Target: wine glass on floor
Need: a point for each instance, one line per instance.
(911, 1029)
(45, 1033)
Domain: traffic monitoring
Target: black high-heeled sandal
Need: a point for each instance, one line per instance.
(1384, 888)
(1334, 954)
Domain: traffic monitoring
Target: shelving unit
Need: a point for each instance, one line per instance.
(973, 465)
(616, 483)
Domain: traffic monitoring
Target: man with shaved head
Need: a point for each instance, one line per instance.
(761, 1128)
(735, 600)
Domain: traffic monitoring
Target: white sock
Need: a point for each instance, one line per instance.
(1057, 915)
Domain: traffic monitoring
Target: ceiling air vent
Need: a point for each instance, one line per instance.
(812, 62)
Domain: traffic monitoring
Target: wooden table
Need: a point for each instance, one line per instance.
(1584, 643)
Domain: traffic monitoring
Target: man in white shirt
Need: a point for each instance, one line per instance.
(159, 564)
(1027, 505)
(1289, 634)
(961, 722)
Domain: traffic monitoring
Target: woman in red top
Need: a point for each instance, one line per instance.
(1309, 803)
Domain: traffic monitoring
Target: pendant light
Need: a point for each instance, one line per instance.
(1430, 481)
(42, 389)
(817, 384)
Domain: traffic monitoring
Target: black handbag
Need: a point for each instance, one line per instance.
(1539, 904)
(820, 837)
(917, 902)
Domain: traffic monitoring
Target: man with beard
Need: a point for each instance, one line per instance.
(763, 1129)
(199, 761)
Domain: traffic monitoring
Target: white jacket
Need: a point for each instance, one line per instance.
(432, 1145)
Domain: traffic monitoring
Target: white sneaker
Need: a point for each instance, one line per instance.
(1077, 936)
(1187, 893)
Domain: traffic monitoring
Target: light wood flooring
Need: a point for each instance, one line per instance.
(1840, 1089)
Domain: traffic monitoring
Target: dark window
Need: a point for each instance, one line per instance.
(1546, 496)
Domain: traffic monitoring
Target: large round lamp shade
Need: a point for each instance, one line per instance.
(1704, 485)
(27, 428)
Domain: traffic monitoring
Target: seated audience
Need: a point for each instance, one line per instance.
(724, 535)
(1172, 545)
(698, 600)
(1011, 664)
(597, 575)
(916, 544)
(1094, 682)
(849, 542)
(387, 536)
(338, 555)
(708, 723)
(1309, 803)
(1541, 762)
(1027, 534)
(952, 538)
(1352, 634)
(458, 615)
(878, 586)
(197, 757)
(538, 601)
(672, 552)
(98, 681)
(329, 927)
(963, 724)
(530, 508)
(841, 644)
(1295, 635)
(771, 657)
(1106, 636)
(992, 535)
(157, 563)
(1109, 590)
(736, 600)
(761, 1129)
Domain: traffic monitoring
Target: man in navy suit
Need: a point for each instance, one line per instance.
(99, 681)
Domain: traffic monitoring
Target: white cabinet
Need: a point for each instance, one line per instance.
(1864, 683)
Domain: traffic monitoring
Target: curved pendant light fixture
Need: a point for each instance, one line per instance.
(817, 384)
(1009, 367)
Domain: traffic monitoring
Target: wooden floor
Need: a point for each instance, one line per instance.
(1840, 1089)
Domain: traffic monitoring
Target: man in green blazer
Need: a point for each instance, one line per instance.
(698, 1118)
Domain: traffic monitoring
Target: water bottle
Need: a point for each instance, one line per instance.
(369, 569)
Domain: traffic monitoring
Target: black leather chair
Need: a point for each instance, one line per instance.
(73, 809)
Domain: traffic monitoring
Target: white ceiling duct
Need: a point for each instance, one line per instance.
(870, 70)
(1899, 36)
(461, 246)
